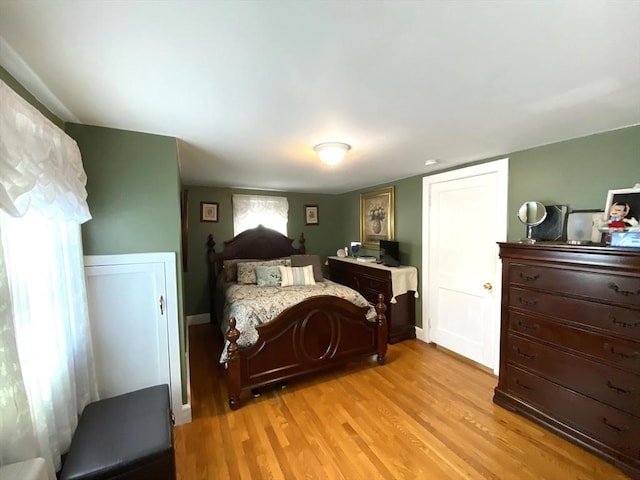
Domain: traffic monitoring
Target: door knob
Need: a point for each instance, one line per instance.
(487, 286)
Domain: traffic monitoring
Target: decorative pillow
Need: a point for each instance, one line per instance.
(230, 267)
(247, 270)
(313, 260)
(293, 276)
(268, 276)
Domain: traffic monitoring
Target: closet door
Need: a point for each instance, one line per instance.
(134, 324)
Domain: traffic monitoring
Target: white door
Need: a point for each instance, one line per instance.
(134, 324)
(465, 215)
(128, 326)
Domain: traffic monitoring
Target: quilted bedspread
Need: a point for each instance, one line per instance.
(252, 305)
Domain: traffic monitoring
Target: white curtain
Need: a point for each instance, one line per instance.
(47, 374)
(249, 211)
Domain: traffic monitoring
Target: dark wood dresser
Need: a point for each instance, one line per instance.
(371, 279)
(570, 344)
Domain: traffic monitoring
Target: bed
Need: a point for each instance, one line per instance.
(318, 332)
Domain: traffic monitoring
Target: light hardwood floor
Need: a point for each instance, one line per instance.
(424, 414)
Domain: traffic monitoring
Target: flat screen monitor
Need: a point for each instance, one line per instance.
(390, 253)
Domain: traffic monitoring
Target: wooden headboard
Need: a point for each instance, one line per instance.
(260, 243)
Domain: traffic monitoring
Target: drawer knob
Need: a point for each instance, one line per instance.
(527, 328)
(527, 303)
(612, 426)
(487, 286)
(618, 390)
(528, 356)
(624, 293)
(529, 278)
(623, 356)
(522, 385)
(619, 323)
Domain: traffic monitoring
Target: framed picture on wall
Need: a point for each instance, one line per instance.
(377, 217)
(208, 212)
(311, 215)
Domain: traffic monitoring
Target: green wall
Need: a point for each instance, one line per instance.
(408, 222)
(577, 172)
(24, 93)
(321, 239)
(133, 191)
(133, 187)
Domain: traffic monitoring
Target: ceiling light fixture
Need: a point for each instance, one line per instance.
(432, 161)
(332, 153)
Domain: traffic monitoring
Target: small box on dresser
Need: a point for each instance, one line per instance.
(570, 344)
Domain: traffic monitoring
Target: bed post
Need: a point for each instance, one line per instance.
(301, 241)
(382, 329)
(211, 248)
(211, 256)
(233, 365)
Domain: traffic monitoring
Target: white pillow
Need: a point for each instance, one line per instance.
(293, 276)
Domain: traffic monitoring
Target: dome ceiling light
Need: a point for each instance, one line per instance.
(332, 153)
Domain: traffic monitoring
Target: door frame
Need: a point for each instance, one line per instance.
(501, 168)
(182, 412)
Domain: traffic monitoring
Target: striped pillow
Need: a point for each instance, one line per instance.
(292, 276)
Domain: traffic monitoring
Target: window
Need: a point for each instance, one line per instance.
(249, 211)
(46, 359)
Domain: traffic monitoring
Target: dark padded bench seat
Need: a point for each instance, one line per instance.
(128, 437)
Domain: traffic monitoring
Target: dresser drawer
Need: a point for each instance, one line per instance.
(368, 281)
(610, 426)
(622, 321)
(614, 387)
(370, 287)
(622, 353)
(602, 286)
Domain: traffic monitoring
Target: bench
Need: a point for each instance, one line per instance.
(128, 437)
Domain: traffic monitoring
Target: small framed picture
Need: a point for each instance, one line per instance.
(208, 212)
(311, 215)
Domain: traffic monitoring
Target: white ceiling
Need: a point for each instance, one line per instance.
(250, 86)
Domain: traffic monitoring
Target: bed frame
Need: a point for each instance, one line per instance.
(316, 334)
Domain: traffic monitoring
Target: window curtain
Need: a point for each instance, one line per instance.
(249, 211)
(47, 374)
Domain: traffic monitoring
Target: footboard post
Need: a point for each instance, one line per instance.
(233, 365)
(382, 329)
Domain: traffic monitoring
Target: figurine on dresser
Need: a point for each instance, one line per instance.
(617, 218)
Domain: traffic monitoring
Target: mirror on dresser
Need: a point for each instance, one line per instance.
(531, 213)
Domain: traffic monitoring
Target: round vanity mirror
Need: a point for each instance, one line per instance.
(531, 214)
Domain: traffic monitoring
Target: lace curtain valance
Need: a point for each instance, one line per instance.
(40, 165)
(249, 211)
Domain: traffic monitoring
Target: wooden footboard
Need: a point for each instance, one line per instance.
(316, 334)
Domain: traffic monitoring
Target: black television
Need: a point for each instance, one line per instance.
(389, 253)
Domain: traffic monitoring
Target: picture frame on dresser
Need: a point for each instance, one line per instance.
(630, 196)
(377, 217)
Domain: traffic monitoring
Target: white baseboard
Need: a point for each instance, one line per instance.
(199, 319)
(421, 334)
(185, 415)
